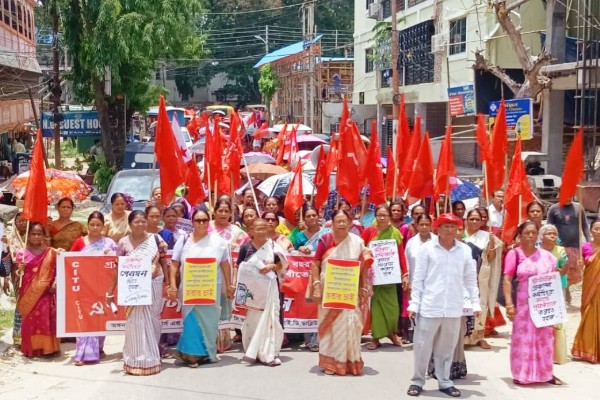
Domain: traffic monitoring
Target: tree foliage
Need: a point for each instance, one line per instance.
(268, 84)
(125, 37)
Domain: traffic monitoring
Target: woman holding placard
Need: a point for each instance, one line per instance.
(141, 353)
(262, 333)
(587, 343)
(37, 295)
(489, 269)
(532, 348)
(90, 348)
(198, 341)
(385, 304)
(340, 328)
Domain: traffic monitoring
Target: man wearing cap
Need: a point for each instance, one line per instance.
(444, 272)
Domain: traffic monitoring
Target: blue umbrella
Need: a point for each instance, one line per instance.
(465, 190)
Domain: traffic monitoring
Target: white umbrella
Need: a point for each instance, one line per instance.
(301, 128)
(277, 185)
(254, 157)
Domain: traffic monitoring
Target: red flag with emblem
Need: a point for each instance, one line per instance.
(294, 198)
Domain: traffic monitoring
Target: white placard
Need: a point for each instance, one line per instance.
(134, 281)
(546, 300)
(386, 264)
(185, 225)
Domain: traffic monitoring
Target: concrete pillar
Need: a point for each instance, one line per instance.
(554, 101)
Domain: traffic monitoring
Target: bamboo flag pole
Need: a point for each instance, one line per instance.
(580, 219)
(485, 183)
(250, 181)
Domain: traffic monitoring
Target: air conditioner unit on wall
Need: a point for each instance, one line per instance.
(438, 44)
(374, 10)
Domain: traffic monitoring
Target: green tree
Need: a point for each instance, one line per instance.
(268, 84)
(126, 38)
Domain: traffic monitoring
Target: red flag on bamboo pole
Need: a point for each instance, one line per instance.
(351, 165)
(411, 156)
(35, 208)
(321, 180)
(517, 196)
(483, 140)
(574, 169)
(390, 175)
(196, 193)
(498, 151)
(421, 180)
(281, 136)
(294, 199)
(168, 155)
(445, 177)
(373, 169)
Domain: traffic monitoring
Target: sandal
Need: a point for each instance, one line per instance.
(395, 340)
(79, 363)
(555, 381)
(193, 365)
(373, 345)
(329, 372)
(314, 348)
(414, 390)
(451, 391)
(484, 345)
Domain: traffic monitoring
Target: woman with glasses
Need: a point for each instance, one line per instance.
(489, 270)
(141, 354)
(340, 330)
(281, 240)
(234, 236)
(198, 341)
(531, 349)
(385, 302)
(262, 332)
(587, 341)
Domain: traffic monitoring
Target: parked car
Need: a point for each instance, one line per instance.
(139, 155)
(137, 183)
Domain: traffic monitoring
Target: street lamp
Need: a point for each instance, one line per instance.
(265, 41)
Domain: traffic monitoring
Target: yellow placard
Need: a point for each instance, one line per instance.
(200, 281)
(341, 284)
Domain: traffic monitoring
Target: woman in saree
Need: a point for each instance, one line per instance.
(169, 232)
(485, 217)
(412, 227)
(272, 234)
(340, 330)
(198, 341)
(156, 199)
(489, 271)
(262, 332)
(116, 226)
(154, 219)
(535, 213)
(141, 354)
(548, 241)
(248, 216)
(385, 302)
(90, 349)
(532, 348)
(64, 231)
(234, 236)
(305, 240)
(37, 295)
(587, 340)
(16, 243)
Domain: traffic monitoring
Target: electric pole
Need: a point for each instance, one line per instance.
(308, 31)
(395, 51)
(56, 89)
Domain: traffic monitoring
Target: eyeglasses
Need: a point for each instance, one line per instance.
(201, 220)
(270, 219)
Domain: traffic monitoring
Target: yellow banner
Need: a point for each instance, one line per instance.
(200, 281)
(341, 284)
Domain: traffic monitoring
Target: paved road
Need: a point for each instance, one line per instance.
(386, 376)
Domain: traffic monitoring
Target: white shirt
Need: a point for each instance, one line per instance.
(441, 279)
(413, 247)
(495, 217)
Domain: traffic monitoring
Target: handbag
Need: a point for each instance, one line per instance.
(5, 265)
(513, 293)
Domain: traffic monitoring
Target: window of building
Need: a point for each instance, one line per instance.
(6, 10)
(415, 58)
(20, 19)
(386, 7)
(412, 3)
(369, 67)
(13, 9)
(369, 2)
(458, 36)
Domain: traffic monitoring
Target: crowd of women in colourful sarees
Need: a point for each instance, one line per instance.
(260, 238)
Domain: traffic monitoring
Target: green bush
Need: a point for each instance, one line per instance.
(103, 176)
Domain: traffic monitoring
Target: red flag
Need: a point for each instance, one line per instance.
(421, 180)
(499, 146)
(168, 155)
(193, 126)
(294, 199)
(321, 180)
(411, 156)
(483, 140)
(235, 150)
(35, 208)
(445, 177)
(517, 196)
(402, 136)
(262, 132)
(351, 165)
(390, 174)
(281, 138)
(291, 153)
(250, 119)
(373, 169)
(574, 170)
(196, 193)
